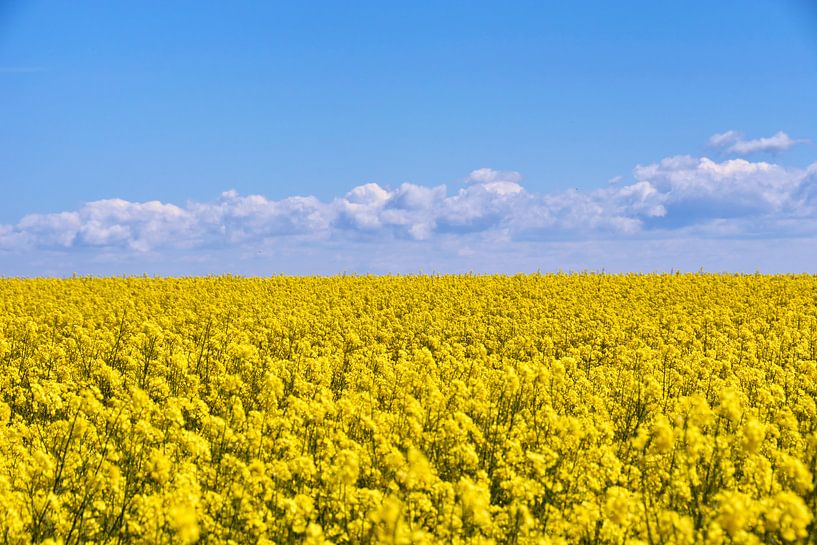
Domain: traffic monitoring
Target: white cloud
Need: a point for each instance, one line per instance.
(724, 139)
(734, 142)
(728, 188)
(495, 181)
(60, 229)
(235, 218)
(363, 206)
(677, 198)
(110, 222)
(676, 191)
(805, 196)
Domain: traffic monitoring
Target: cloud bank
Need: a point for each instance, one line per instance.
(680, 212)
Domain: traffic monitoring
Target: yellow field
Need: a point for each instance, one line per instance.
(451, 409)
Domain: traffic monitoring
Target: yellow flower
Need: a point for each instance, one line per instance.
(787, 514)
(754, 432)
(160, 466)
(662, 435)
(735, 512)
(541, 409)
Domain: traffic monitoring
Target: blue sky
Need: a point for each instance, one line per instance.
(199, 137)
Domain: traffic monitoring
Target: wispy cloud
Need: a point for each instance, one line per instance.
(488, 217)
(734, 142)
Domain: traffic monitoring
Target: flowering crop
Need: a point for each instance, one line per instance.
(583, 408)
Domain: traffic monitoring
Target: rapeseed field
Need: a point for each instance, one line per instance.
(581, 408)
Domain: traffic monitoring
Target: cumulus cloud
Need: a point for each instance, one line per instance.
(670, 200)
(701, 186)
(235, 218)
(495, 181)
(734, 142)
(110, 222)
(675, 192)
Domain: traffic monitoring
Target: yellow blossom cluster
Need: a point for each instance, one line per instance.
(541, 409)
